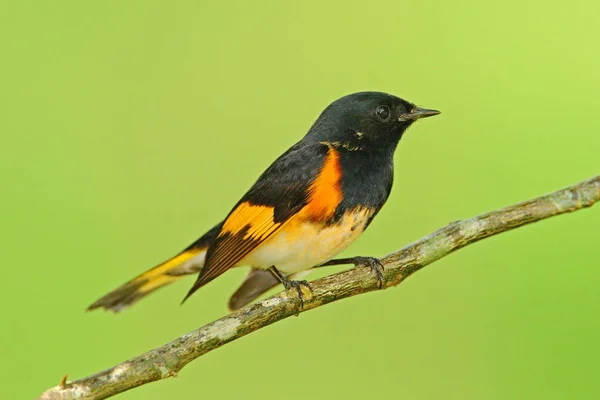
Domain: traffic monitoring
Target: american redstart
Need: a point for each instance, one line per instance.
(308, 206)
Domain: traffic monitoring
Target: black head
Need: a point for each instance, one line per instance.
(366, 120)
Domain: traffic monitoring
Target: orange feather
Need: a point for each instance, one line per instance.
(325, 193)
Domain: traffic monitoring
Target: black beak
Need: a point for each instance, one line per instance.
(418, 113)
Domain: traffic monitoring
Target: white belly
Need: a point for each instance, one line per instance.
(300, 245)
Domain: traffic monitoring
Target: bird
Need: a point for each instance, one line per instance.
(310, 204)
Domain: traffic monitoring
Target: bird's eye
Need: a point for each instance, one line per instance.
(383, 113)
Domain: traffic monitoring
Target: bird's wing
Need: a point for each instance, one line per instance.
(305, 179)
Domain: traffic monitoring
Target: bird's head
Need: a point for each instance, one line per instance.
(366, 120)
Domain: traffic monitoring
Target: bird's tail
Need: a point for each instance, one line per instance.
(189, 261)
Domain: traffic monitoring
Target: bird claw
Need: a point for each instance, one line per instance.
(374, 265)
(298, 286)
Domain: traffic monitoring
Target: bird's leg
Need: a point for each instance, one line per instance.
(287, 283)
(373, 263)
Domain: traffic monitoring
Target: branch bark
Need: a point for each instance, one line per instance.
(166, 361)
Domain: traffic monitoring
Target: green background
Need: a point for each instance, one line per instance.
(129, 128)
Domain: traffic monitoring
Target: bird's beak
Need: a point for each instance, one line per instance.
(418, 113)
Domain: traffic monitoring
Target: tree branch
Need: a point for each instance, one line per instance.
(166, 361)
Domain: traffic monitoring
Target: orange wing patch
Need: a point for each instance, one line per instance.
(257, 219)
(325, 193)
(246, 228)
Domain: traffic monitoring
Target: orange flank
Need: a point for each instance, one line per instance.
(325, 193)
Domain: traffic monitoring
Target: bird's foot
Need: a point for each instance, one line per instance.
(288, 284)
(374, 265)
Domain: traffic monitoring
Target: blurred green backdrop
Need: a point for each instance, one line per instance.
(129, 128)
